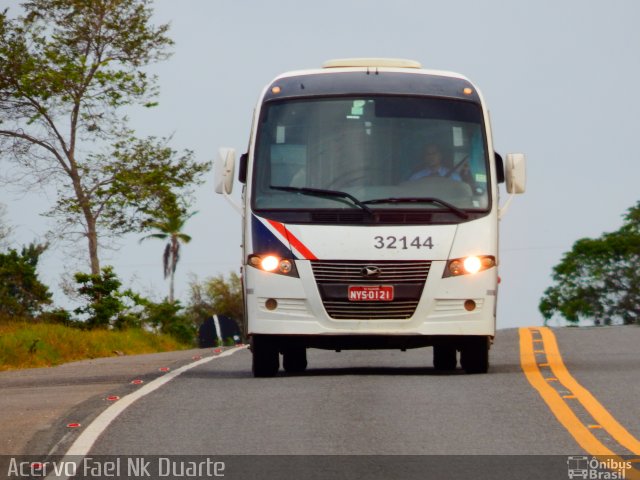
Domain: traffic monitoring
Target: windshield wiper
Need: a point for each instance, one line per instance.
(461, 213)
(319, 192)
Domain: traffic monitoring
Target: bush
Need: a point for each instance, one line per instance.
(166, 318)
(106, 306)
(59, 316)
(21, 292)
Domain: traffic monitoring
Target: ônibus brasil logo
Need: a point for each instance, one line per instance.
(597, 468)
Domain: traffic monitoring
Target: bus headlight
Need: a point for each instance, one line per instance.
(468, 265)
(472, 264)
(273, 264)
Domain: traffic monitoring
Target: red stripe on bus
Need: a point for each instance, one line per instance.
(293, 240)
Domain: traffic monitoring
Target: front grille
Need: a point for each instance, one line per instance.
(333, 278)
(370, 310)
(339, 271)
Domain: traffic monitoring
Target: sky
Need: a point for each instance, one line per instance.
(560, 78)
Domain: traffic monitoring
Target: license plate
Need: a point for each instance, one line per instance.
(368, 293)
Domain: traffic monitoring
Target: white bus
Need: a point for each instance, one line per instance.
(370, 215)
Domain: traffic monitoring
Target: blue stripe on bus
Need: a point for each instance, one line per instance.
(264, 241)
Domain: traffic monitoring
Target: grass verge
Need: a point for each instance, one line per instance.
(28, 345)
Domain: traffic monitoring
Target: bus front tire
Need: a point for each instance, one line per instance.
(474, 355)
(444, 357)
(265, 357)
(294, 360)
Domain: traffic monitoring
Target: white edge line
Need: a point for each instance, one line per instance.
(80, 448)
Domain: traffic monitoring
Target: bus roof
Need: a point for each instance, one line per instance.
(372, 63)
(371, 76)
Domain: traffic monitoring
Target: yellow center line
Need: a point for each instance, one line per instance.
(600, 414)
(560, 408)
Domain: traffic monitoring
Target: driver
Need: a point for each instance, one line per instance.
(432, 165)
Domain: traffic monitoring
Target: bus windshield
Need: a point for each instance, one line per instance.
(386, 152)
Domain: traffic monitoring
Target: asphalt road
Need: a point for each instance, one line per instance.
(360, 403)
(36, 404)
(369, 412)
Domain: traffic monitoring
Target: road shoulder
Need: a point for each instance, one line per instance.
(37, 404)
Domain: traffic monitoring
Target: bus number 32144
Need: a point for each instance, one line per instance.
(402, 243)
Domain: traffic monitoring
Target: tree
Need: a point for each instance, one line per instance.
(5, 228)
(21, 292)
(67, 70)
(170, 228)
(599, 279)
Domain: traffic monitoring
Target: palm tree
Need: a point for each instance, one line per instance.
(170, 228)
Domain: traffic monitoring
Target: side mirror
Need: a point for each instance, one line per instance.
(515, 172)
(224, 169)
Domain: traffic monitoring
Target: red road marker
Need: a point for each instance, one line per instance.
(73, 425)
(164, 369)
(217, 350)
(197, 357)
(137, 382)
(113, 398)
